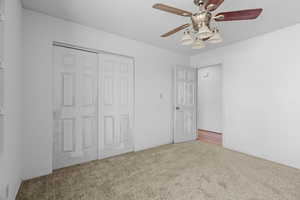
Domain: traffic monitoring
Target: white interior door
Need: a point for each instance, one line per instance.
(75, 107)
(185, 104)
(117, 101)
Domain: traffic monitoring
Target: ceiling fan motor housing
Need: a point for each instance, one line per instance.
(200, 19)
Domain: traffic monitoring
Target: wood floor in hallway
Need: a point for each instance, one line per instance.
(210, 137)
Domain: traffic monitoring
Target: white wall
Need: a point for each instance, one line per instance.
(210, 98)
(10, 155)
(261, 99)
(153, 76)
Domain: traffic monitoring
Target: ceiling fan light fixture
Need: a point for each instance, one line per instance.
(201, 20)
(204, 32)
(187, 39)
(216, 38)
(198, 44)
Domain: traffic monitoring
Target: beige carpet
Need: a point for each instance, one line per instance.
(188, 171)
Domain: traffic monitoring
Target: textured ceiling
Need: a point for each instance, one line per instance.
(136, 19)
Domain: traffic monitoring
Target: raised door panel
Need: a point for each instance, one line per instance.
(108, 83)
(125, 81)
(109, 131)
(1, 87)
(68, 89)
(108, 91)
(1, 39)
(68, 135)
(88, 132)
(189, 123)
(179, 134)
(89, 78)
(181, 93)
(88, 90)
(125, 129)
(124, 91)
(190, 94)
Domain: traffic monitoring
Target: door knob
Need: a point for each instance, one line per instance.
(1, 111)
(56, 113)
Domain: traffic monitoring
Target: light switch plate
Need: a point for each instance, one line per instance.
(2, 17)
(1, 64)
(161, 96)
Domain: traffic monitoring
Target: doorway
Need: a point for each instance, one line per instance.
(209, 104)
(93, 105)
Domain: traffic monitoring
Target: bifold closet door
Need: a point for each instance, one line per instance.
(75, 107)
(117, 101)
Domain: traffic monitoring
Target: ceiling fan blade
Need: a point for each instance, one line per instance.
(175, 30)
(239, 15)
(173, 10)
(212, 5)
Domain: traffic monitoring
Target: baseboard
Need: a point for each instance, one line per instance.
(143, 148)
(254, 155)
(16, 190)
(210, 131)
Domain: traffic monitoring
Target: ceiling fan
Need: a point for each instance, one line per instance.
(201, 21)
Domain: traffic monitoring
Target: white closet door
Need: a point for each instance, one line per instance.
(117, 99)
(75, 107)
(185, 104)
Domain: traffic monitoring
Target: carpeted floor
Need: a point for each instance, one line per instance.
(187, 171)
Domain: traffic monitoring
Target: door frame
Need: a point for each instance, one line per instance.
(99, 91)
(197, 106)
